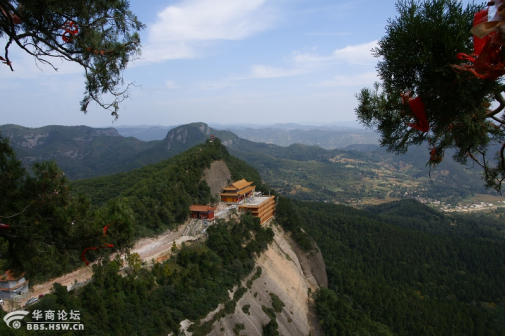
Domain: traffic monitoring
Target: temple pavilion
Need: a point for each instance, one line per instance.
(237, 192)
(202, 212)
(262, 207)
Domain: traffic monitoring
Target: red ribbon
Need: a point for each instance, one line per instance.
(105, 230)
(4, 226)
(479, 43)
(417, 106)
(70, 29)
(93, 248)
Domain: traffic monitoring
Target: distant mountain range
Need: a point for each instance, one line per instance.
(144, 133)
(84, 152)
(328, 136)
(292, 126)
(357, 171)
(322, 137)
(80, 151)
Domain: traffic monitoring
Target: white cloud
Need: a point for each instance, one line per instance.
(265, 71)
(328, 34)
(217, 84)
(172, 84)
(302, 63)
(359, 54)
(363, 79)
(184, 29)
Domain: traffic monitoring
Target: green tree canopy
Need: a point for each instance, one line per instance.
(99, 35)
(416, 55)
(43, 229)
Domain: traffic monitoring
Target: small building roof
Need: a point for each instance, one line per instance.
(240, 184)
(202, 208)
(14, 288)
(256, 201)
(9, 276)
(240, 192)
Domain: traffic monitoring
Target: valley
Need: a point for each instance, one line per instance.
(252, 168)
(336, 209)
(358, 175)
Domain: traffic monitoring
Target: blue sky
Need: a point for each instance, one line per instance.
(220, 61)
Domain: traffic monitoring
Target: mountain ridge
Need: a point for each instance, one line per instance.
(84, 152)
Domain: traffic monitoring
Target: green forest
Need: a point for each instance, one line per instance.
(124, 299)
(52, 220)
(399, 268)
(402, 269)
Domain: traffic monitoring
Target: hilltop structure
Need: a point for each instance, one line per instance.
(237, 192)
(262, 207)
(243, 193)
(202, 212)
(11, 286)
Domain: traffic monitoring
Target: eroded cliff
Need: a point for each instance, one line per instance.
(286, 272)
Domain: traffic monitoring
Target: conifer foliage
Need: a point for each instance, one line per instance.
(99, 35)
(416, 55)
(44, 229)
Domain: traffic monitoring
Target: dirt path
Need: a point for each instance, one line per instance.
(147, 248)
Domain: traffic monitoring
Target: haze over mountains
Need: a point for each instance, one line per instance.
(359, 172)
(327, 136)
(87, 152)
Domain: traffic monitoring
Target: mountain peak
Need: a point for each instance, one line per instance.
(187, 134)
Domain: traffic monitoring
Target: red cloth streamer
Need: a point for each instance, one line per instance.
(417, 107)
(434, 157)
(4, 226)
(486, 57)
(14, 17)
(93, 248)
(479, 43)
(70, 29)
(105, 230)
(487, 65)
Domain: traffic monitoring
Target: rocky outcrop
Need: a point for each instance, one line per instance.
(80, 151)
(28, 138)
(312, 264)
(190, 135)
(283, 275)
(217, 177)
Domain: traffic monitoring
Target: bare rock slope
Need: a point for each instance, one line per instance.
(217, 177)
(283, 275)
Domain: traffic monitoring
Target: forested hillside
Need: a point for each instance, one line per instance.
(315, 136)
(144, 133)
(358, 176)
(80, 151)
(84, 152)
(160, 194)
(50, 225)
(399, 268)
(390, 275)
(153, 301)
(362, 175)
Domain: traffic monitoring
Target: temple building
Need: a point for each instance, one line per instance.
(237, 192)
(262, 207)
(202, 212)
(11, 286)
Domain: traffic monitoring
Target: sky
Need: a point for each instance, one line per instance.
(219, 61)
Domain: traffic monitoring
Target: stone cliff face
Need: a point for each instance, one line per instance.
(190, 134)
(217, 177)
(287, 272)
(80, 151)
(25, 138)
